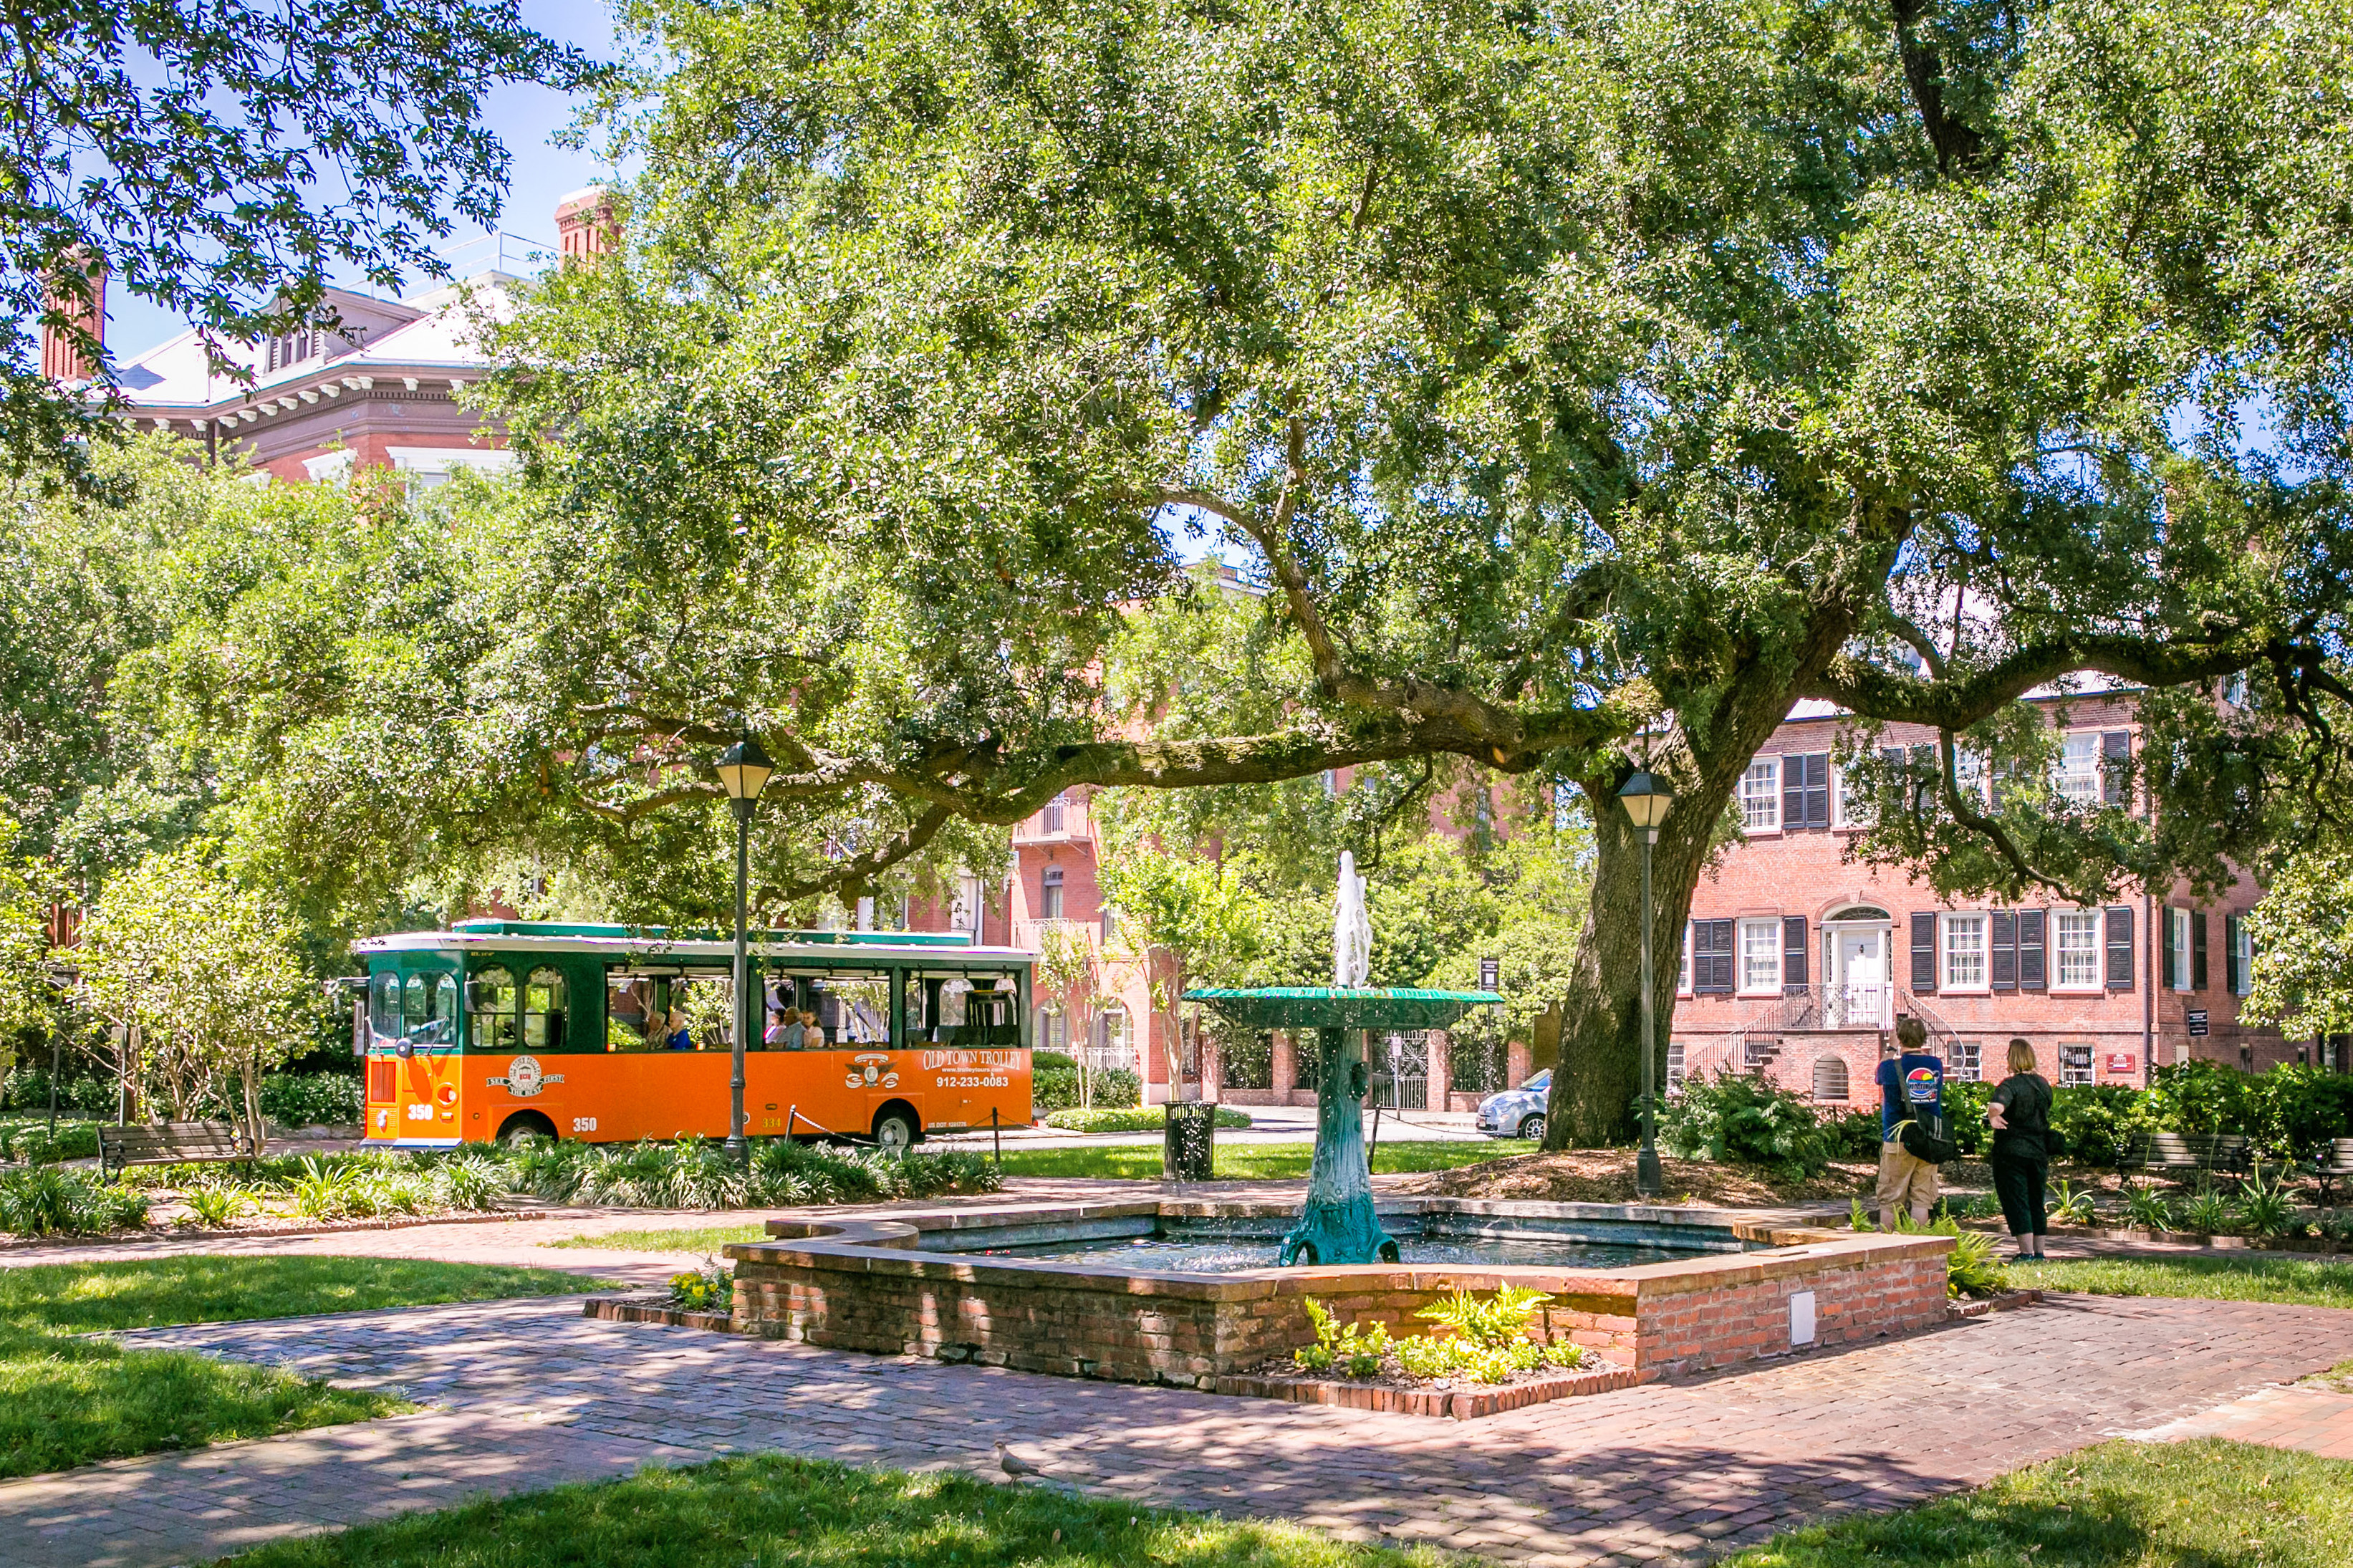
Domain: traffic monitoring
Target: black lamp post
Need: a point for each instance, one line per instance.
(1646, 800)
(743, 769)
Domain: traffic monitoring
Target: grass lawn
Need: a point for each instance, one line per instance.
(707, 1238)
(1258, 1162)
(2120, 1505)
(66, 1400)
(2297, 1281)
(773, 1511)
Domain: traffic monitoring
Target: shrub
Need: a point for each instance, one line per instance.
(27, 1092)
(2265, 1209)
(1743, 1120)
(49, 1200)
(311, 1100)
(2099, 1121)
(2070, 1206)
(2149, 1208)
(1133, 1119)
(1489, 1339)
(1855, 1136)
(1116, 1086)
(1053, 1082)
(1965, 1115)
(1358, 1351)
(1973, 1268)
(2207, 1213)
(33, 1143)
(216, 1203)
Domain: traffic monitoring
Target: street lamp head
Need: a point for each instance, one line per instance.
(1646, 798)
(744, 768)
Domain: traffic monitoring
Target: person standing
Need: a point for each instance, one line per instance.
(2021, 1113)
(1911, 1087)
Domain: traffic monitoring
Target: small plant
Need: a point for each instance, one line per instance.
(1973, 1268)
(468, 1181)
(705, 1289)
(2207, 1213)
(2148, 1208)
(51, 1200)
(323, 1191)
(1976, 1206)
(216, 1203)
(1858, 1217)
(1358, 1353)
(2070, 1206)
(2265, 1209)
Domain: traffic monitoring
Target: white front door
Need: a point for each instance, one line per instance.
(1859, 978)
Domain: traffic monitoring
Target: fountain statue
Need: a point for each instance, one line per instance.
(1337, 1224)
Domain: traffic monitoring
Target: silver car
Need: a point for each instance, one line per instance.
(1517, 1112)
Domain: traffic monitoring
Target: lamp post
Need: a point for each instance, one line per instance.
(743, 769)
(1646, 800)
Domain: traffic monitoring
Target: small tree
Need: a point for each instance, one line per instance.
(1190, 921)
(1067, 970)
(203, 978)
(23, 892)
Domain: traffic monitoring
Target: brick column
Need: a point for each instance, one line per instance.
(1441, 1078)
(1515, 1063)
(1282, 1071)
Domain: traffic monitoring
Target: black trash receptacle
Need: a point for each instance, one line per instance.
(1188, 1149)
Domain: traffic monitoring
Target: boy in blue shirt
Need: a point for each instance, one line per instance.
(1911, 1083)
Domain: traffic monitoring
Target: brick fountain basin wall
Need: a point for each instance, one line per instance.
(879, 1284)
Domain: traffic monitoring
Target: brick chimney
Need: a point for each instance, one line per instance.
(62, 359)
(585, 225)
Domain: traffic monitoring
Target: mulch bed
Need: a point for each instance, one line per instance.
(1458, 1399)
(1607, 1176)
(653, 1309)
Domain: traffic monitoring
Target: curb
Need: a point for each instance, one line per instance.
(651, 1309)
(1466, 1404)
(1985, 1306)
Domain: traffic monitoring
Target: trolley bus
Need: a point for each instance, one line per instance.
(497, 1029)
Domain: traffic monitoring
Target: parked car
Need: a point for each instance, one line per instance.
(1517, 1112)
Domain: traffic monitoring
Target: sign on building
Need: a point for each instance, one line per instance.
(1491, 970)
(2197, 1022)
(2121, 1064)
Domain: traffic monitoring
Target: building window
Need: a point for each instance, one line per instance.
(1761, 796)
(2077, 776)
(1760, 955)
(1969, 773)
(1964, 1061)
(1964, 952)
(1829, 1077)
(2078, 941)
(1849, 804)
(1050, 819)
(2177, 948)
(2075, 1064)
(1711, 949)
(2239, 954)
(1684, 978)
(1053, 1029)
(1674, 1065)
(1050, 891)
(1805, 790)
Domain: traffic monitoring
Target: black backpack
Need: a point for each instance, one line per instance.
(1923, 1139)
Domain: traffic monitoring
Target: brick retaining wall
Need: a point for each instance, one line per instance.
(863, 1285)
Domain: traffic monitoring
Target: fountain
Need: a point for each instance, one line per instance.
(1338, 1225)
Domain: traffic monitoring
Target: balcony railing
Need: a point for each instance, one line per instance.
(1030, 935)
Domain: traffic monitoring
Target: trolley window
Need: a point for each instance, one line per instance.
(964, 1008)
(543, 1011)
(493, 998)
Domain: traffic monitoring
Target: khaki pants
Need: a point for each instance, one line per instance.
(1905, 1183)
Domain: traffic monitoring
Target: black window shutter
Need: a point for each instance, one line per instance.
(2232, 980)
(2003, 939)
(2116, 761)
(2170, 960)
(1817, 789)
(1711, 955)
(1793, 952)
(2031, 975)
(2197, 950)
(1793, 793)
(2120, 948)
(1924, 953)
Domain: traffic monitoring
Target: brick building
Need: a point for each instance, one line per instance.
(1797, 957)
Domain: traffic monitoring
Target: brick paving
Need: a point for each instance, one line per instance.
(527, 1393)
(2317, 1420)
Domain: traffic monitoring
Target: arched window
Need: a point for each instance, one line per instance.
(542, 1011)
(492, 1000)
(1053, 1029)
(1050, 886)
(1051, 822)
(417, 1006)
(384, 1007)
(1829, 1077)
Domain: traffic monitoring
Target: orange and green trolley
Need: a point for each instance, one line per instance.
(498, 1029)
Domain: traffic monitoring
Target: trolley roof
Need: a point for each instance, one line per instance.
(665, 941)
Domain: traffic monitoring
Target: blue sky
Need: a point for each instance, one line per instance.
(525, 118)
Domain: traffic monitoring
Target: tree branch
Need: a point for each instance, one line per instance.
(1969, 817)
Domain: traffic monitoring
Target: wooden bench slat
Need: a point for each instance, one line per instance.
(171, 1144)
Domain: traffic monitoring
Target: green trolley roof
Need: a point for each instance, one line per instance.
(1340, 1007)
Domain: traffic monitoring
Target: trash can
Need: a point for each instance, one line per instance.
(1188, 1147)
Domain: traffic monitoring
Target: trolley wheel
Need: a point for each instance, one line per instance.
(896, 1128)
(525, 1124)
(1531, 1127)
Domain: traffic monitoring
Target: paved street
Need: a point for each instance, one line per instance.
(529, 1393)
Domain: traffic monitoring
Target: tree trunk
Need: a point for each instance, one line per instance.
(1601, 1070)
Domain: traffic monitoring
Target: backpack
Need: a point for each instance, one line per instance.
(1923, 1139)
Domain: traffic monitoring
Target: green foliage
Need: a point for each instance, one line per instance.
(217, 1204)
(55, 1200)
(1855, 1136)
(1355, 1350)
(34, 1144)
(1489, 1340)
(708, 1289)
(2301, 978)
(312, 1100)
(1744, 1119)
(1965, 1115)
(2147, 1207)
(2302, 1282)
(2099, 1121)
(1973, 1268)
(2265, 1209)
(1136, 1119)
(2206, 1214)
(2071, 1205)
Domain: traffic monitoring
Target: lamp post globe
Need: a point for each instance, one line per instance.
(743, 769)
(1646, 799)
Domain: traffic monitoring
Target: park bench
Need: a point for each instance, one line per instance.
(170, 1144)
(2212, 1151)
(2335, 1161)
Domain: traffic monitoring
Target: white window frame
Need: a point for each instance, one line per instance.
(1964, 920)
(1847, 810)
(1761, 796)
(2068, 1069)
(2095, 955)
(1969, 1067)
(2243, 940)
(1675, 1058)
(2177, 948)
(1683, 977)
(1741, 932)
(2078, 784)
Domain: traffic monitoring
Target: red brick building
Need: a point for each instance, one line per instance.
(1797, 956)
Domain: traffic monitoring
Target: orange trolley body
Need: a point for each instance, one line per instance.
(498, 1028)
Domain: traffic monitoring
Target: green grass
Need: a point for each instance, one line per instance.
(2305, 1283)
(2206, 1504)
(776, 1512)
(67, 1400)
(692, 1238)
(1256, 1162)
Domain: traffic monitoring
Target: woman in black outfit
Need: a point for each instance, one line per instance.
(2020, 1114)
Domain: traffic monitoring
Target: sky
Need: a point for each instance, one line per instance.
(525, 118)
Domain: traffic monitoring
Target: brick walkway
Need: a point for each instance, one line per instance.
(2317, 1420)
(528, 1394)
